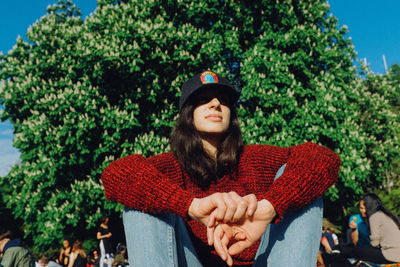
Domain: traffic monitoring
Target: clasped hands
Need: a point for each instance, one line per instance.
(233, 223)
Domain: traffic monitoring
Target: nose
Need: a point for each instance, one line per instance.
(214, 103)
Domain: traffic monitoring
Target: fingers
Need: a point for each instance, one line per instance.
(241, 207)
(234, 203)
(220, 205)
(225, 242)
(231, 207)
(238, 207)
(240, 236)
(238, 247)
(221, 241)
(218, 235)
(252, 203)
(225, 206)
(229, 259)
(210, 235)
(210, 229)
(211, 219)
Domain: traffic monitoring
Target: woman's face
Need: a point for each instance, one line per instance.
(363, 211)
(65, 244)
(212, 113)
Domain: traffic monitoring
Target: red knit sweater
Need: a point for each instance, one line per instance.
(159, 184)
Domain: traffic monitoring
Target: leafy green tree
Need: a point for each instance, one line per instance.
(394, 81)
(395, 71)
(380, 121)
(394, 74)
(392, 200)
(7, 220)
(55, 110)
(83, 93)
(300, 83)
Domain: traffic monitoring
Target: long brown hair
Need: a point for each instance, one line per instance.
(188, 148)
(374, 204)
(78, 247)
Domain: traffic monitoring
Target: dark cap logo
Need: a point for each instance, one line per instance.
(208, 77)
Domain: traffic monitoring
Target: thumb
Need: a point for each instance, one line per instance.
(238, 247)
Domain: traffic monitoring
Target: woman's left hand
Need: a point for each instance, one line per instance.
(243, 233)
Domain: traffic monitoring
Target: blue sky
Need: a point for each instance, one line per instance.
(374, 28)
(15, 18)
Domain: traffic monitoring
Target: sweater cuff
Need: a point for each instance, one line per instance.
(279, 209)
(180, 204)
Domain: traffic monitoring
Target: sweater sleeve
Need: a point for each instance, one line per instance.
(311, 169)
(136, 183)
(375, 228)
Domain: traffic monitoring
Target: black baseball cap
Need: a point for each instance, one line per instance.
(206, 79)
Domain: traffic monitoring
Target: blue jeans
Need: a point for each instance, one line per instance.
(163, 240)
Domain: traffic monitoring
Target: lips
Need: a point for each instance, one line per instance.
(214, 117)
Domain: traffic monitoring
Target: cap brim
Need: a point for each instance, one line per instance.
(234, 94)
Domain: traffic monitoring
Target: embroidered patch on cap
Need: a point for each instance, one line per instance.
(208, 77)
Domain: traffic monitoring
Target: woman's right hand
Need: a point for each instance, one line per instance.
(353, 225)
(221, 207)
(225, 207)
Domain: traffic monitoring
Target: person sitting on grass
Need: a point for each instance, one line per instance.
(13, 251)
(211, 200)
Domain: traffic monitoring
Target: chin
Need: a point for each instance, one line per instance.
(214, 131)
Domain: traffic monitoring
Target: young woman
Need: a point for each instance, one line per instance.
(104, 235)
(65, 252)
(385, 233)
(210, 201)
(359, 231)
(78, 255)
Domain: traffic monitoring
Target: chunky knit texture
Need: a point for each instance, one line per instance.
(159, 184)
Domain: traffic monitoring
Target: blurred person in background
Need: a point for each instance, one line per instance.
(78, 255)
(358, 228)
(384, 227)
(94, 259)
(45, 261)
(120, 257)
(104, 235)
(13, 252)
(65, 252)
